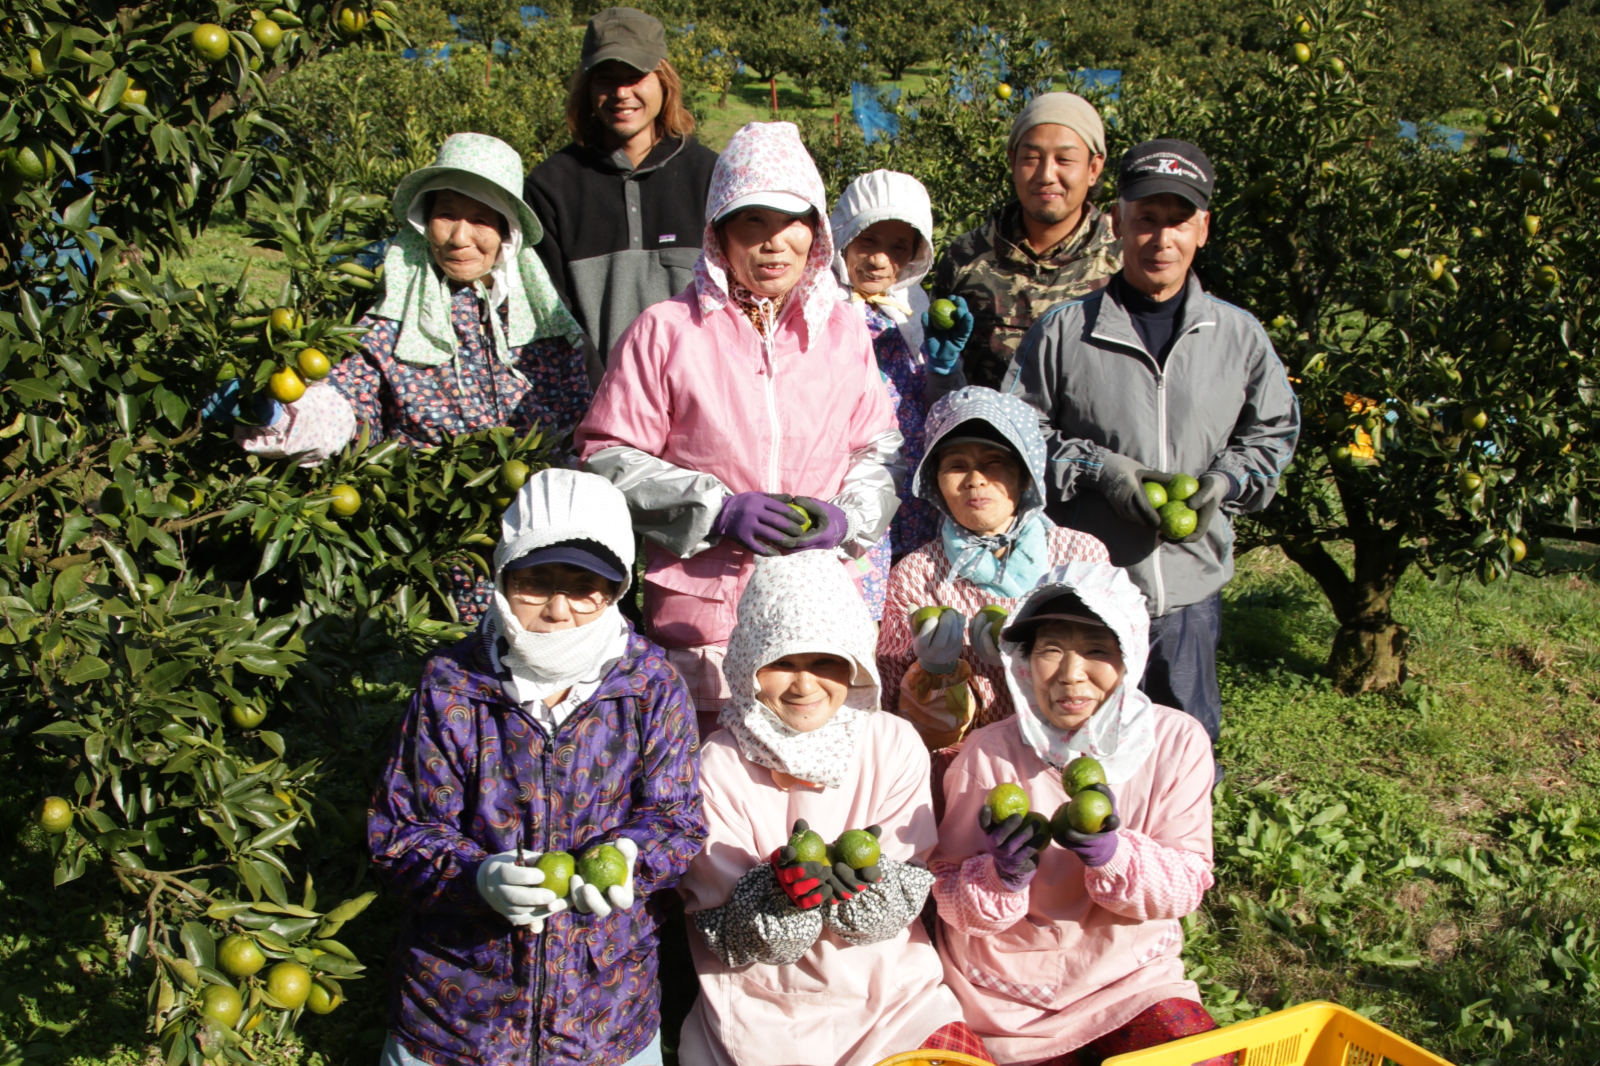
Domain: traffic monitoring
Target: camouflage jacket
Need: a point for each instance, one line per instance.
(1008, 288)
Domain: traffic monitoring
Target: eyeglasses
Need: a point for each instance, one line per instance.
(534, 594)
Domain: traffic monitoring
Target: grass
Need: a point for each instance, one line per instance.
(1428, 857)
(219, 254)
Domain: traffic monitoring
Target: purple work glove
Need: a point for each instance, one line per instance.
(828, 525)
(1095, 849)
(1014, 846)
(761, 522)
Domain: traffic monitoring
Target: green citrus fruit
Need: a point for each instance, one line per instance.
(209, 41)
(1178, 520)
(1336, 65)
(809, 847)
(268, 34)
(1080, 773)
(1038, 824)
(803, 515)
(603, 867)
(54, 815)
(186, 496)
(514, 474)
(31, 161)
(1501, 342)
(997, 616)
(352, 20)
(239, 956)
(1547, 277)
(321, 1000)
(289, 983)
(247, 716)
(1156, 493)
(1007, 799)
(1003, 91)
(222, 1004)
(857, 848)
(1182, 486)
(1530, 225)
(1548, 117)
(920, 616)
(284, 319)
(35, 63)
(1474, 417)
(134, 94)
(1467, 481)
(1088, 810)
(313, 364)
(346, 500)
(1519, 549)
(942, 314)
(557, 867)
(286, 385)
(1302, 53)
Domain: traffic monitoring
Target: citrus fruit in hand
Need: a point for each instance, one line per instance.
(289, 983)
(1156, 493)
(857, 848)
(1007, 799)
(247, 716)
(284, 319)
(313, 364)
(346, 500)
(558, 868)
(222, 1004)
(997, 616)
(1181, 487)
(920, 616)
(54, 815)
(808, 847)
(286, 385)
(1080, 773)
(268, 34)
(239, 956)
(514, 474)
(603, 867)
(1088, 811)
(1178, 520)
(209, 41)
(322, 1001)
(1038, 826)
(942, 314)
(802, 515)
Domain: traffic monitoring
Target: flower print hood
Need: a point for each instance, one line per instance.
(797, 603)
(768, 157)
(884, 196)
(1121, 734)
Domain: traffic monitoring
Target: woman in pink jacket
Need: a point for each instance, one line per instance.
(753, 389)
(1068, 955)
(800, 962)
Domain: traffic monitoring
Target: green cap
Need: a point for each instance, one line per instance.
(626, 35)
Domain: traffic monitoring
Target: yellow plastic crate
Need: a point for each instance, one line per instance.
(1312, 1034)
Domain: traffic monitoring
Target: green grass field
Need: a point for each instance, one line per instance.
(1428, 858)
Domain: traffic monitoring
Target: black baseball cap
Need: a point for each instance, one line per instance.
(1066, 607)
(626, 35)
(1166, 165)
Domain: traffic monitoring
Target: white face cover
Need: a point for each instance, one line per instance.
(543, 664)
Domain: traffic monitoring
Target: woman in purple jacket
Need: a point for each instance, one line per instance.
(555, 728)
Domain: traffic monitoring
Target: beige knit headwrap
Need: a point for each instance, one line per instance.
(1061, 109)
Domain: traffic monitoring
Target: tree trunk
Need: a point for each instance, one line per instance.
(1368, 654)
(1369, 648)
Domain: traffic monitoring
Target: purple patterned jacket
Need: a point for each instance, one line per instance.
(471, 776)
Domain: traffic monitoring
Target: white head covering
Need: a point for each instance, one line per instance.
(797, 603)
(882, 196)
(554, 507)
(1121, 734)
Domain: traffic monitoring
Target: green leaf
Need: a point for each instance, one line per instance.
(63, 729)
(198, 944)
(87, 668)
(350, 908)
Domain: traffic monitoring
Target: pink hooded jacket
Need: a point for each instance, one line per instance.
(696, 405)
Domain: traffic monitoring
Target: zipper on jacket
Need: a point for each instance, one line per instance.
(768, 345)
(1161, 434)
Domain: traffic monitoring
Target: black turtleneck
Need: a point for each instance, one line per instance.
(1156, 322)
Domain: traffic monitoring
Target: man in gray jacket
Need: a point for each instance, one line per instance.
(1148, 378)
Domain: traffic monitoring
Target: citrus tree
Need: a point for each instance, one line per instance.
(163, 595)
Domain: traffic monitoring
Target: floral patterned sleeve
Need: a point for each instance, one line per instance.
(559, 392)
(359, 379)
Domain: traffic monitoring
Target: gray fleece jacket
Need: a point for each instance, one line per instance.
(1221, 404)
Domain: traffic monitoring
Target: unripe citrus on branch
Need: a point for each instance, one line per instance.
(346, 500)
(321, 1000)
(268, 34)
(222, 1004)
(285, 319)
(289, 984)
(240, 956)
(209, 41)
(514, 474)
(313, 364)
(54, 815)
(247, 715)
(286, 385)
(1003, 91)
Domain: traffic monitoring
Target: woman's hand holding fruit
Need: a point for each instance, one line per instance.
(938, 635)
(1013, 834)
(946, 327)
(604, 878)
(823, 527)
(802, 867)
(514, 889)
(1087, 824)
(983, 633)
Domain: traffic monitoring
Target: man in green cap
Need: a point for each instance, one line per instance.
(1048, 244)
(623, 205)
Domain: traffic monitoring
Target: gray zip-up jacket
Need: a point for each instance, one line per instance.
(1222, 404)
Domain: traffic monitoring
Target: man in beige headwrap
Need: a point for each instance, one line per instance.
(1047, 245)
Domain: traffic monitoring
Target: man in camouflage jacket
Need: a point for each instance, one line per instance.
(1047, 245)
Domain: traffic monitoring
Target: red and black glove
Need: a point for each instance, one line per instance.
(846, 883)
(807, 884)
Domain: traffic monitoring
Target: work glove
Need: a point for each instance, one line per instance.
(1213, 490)
(938, 643)
(805, 883)
(1121, 482)
(828, 525)
(1014, 846)
(758, 520)
(1095, 849)
(943, 348)
(847, 884)
(980, 636)
(513, 890)
(587, 899)
(223, 406)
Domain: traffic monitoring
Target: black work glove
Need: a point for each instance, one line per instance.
(807, 884)
(1121, 481)
(1213, 489)
(846, 883)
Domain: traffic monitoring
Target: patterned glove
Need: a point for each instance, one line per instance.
(1121, 481)
(943, 347)
(512, 890)
(939, 642)
(759, 923)
(1213, 490)
(760, 521)
(884, 908)
(848, 883)
(1014, 846)
(1095, 849)
(829, 526)
(587, 899)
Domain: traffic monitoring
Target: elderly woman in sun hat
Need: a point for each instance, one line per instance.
(746, 415)
(469, 332)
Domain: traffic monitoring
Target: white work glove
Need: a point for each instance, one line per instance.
(939, 642)
(980, 635)
(587, 899)
(514, 890)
